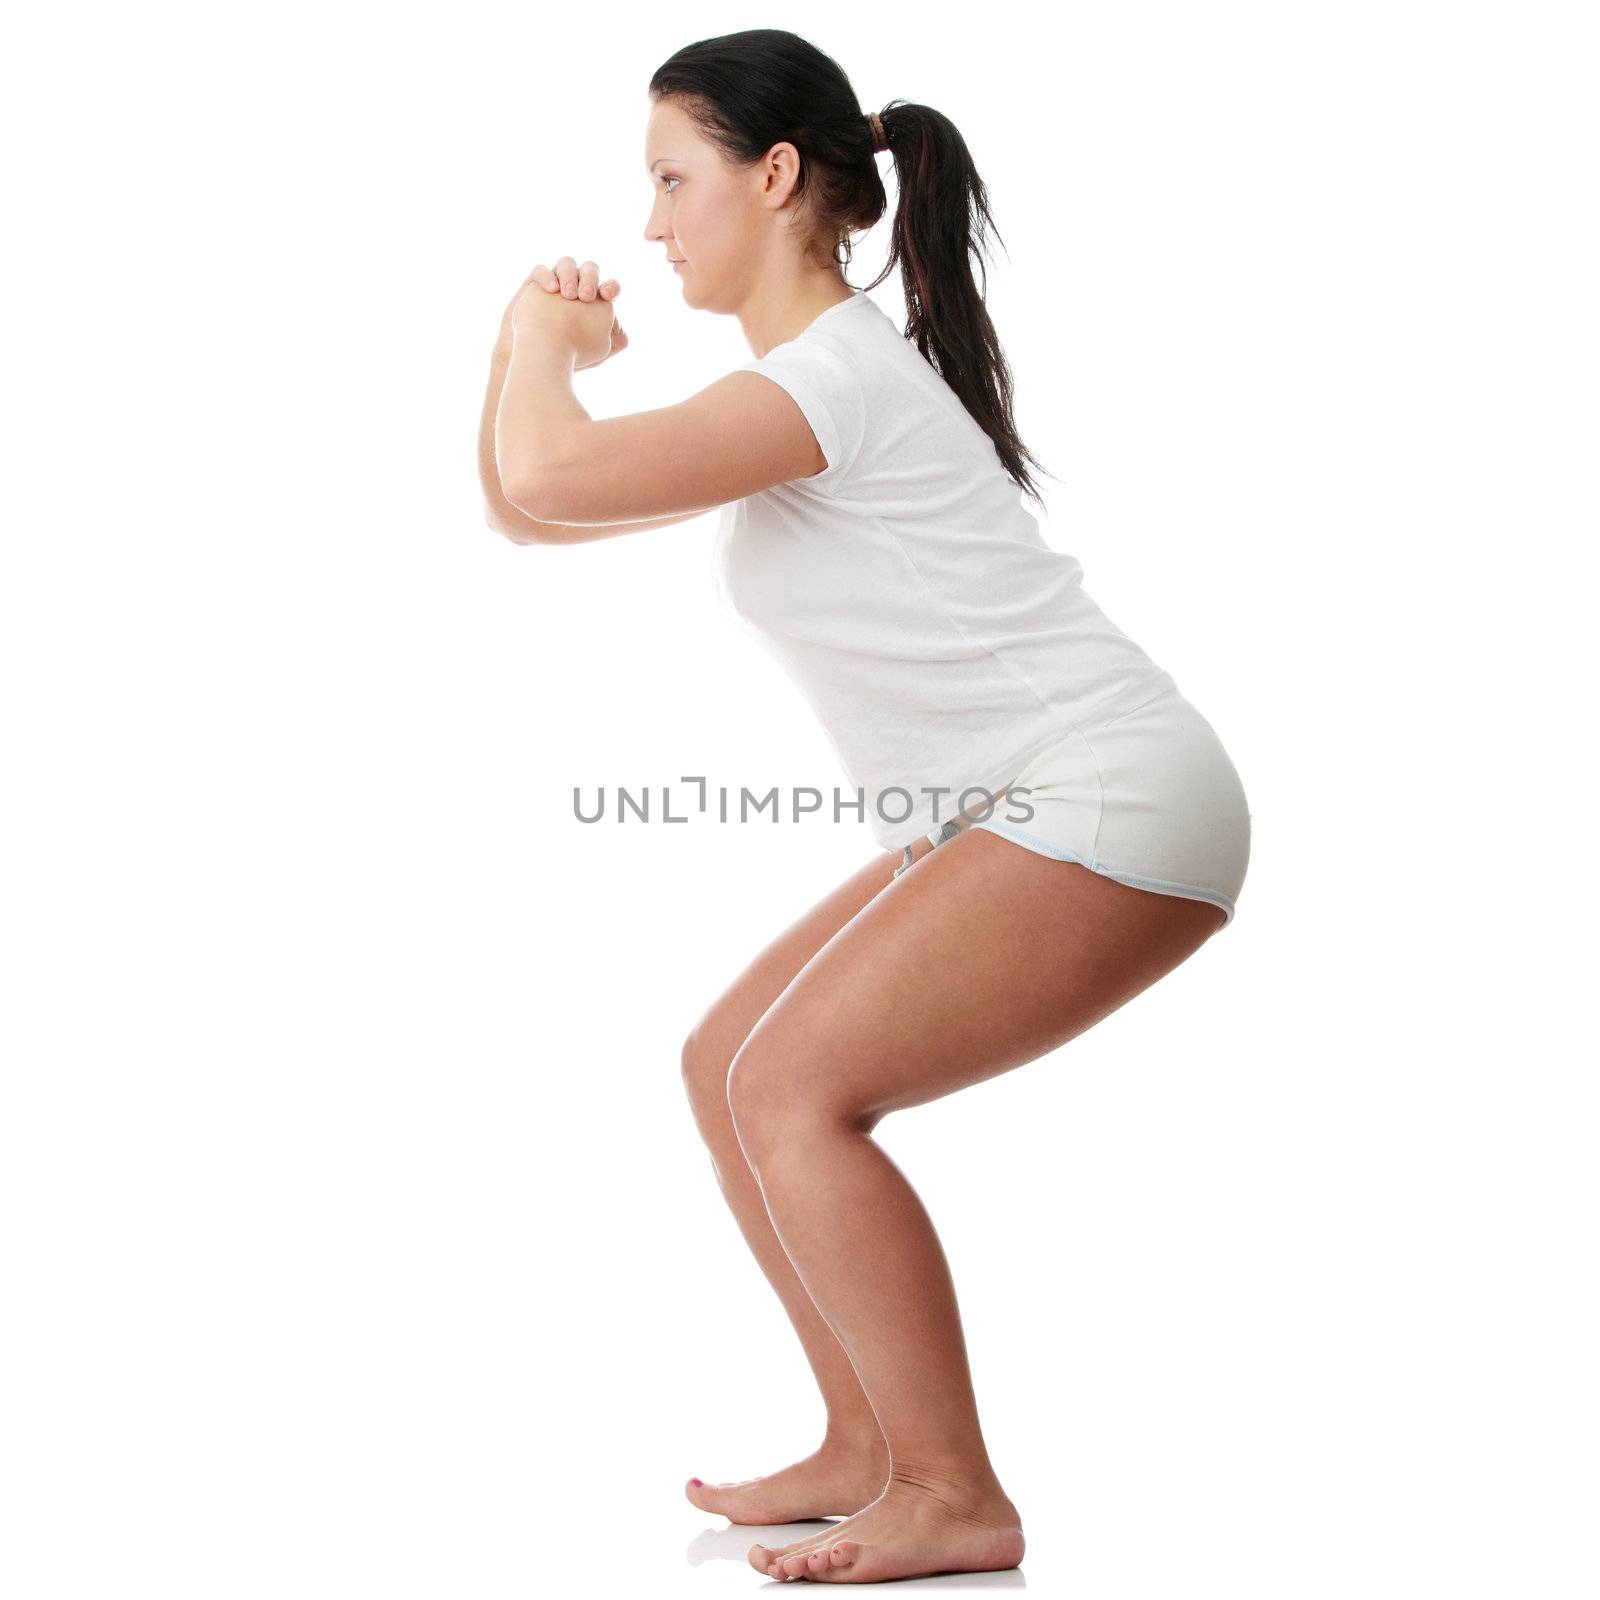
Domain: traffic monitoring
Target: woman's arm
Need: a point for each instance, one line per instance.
(736, 437)
(550, 470)
(518, 526)
(502, 516)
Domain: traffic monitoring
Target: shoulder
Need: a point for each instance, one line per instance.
(820, 374)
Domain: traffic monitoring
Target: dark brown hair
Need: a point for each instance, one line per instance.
(748, 91)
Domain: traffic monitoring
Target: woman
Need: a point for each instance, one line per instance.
(872, 537)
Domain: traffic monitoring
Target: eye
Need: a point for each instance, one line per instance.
(667, 177)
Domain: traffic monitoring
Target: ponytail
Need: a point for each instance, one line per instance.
(940, 224)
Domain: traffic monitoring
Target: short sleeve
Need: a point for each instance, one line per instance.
(822, 383)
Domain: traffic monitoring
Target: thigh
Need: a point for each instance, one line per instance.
(723, 1027)
(983, 957)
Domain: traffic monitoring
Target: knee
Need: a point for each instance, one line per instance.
(754, 1102)
(775, 1098)
(780, 1096)
(704, 1066)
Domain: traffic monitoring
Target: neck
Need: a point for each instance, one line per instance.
(774, 315)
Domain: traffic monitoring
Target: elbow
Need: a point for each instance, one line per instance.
(529, 496)
(520, 532)
(560, 492)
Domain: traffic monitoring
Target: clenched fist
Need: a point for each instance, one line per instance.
(568, 300)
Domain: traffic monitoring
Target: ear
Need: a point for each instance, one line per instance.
(780, 173)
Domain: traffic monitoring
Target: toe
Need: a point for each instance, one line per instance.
(764, 1558)
(844, 1553)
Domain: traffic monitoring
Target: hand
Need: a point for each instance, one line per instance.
(567, 279)
(593, 339)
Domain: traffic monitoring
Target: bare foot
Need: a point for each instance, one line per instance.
(907, 1532)
(832, 1481)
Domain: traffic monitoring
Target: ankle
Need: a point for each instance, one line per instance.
(971, 1486)
(865, 1440)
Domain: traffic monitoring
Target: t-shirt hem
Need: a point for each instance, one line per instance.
(1129, 698)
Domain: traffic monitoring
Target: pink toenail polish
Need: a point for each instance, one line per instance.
(696, 1482)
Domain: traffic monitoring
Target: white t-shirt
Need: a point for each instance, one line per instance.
(907, 590)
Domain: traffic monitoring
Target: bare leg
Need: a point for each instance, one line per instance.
(851, 1466)
(981, 958)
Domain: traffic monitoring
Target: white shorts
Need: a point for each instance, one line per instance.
(1148, 797)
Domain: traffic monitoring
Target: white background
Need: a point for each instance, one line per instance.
(356, 1236)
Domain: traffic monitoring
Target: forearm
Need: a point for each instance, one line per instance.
(536, 417)
(517, 525)
(501, 514)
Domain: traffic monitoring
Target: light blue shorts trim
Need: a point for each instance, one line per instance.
(1043, 847)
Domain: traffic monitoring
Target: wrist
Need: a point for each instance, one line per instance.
(543, 347)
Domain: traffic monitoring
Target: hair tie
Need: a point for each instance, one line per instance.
(880, 140)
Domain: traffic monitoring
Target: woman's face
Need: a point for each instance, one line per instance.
(717, 219)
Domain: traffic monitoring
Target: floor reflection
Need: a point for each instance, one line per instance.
(731, 1541)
